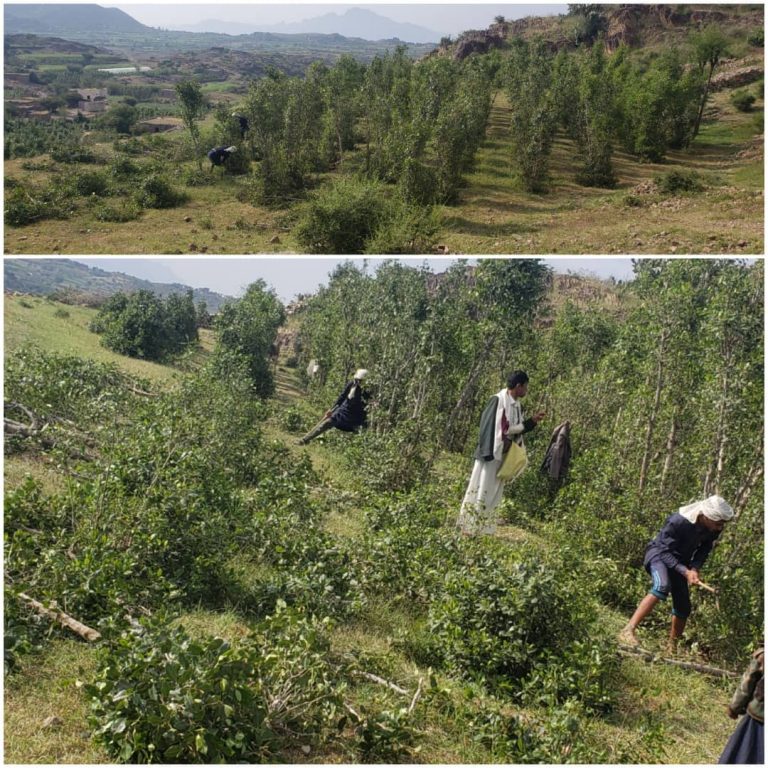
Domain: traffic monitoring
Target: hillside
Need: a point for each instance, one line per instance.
(182, 510)
(62, 19)
(63, 276)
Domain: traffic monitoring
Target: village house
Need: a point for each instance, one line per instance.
(160, 125)
(92, 100)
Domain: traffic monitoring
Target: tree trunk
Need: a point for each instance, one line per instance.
(671, 445)
(714, 472)
(750, 481)
(654, 412)
(699, 116)
(468, 390)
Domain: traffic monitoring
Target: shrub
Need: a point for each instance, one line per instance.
(632, 201)
(743, 100)
(406, 229)
(69, 153)
(757, 38)
(193, 177)
(156, 192)
(341, 218)
(124, 168)
(90, 183)
(500, 616)
(62, 313)
(123, 211)
(674, 182)
(21, 207)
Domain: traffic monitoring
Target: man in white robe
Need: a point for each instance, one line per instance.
(501, 423)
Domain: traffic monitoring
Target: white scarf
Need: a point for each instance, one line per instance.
(715, 508)
(511, 408)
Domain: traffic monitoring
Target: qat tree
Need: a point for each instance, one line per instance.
(192, 106)
(246, 330)
(709, 47)
(527, 77)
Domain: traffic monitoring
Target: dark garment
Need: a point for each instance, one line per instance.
(349, 413)
(243, 121)
(485, 442)
(747, 744)
(558, 456)
(323, 426)
(218, 155)
(681, 545)
(667, 581)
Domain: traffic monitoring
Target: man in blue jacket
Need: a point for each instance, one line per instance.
(348, 413)
(674, 558)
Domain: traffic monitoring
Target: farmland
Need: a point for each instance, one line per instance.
(167, 505)
(440, 147)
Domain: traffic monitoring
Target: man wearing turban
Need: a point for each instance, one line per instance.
(673, 560)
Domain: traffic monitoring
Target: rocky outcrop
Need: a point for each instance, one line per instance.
(477, 41)
(735, 78)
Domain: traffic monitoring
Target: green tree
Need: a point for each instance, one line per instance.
(192, 106)
(246, 330)
(709, 47)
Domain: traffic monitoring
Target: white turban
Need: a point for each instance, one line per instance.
(360, 374)
(233, 148)
(715, 508)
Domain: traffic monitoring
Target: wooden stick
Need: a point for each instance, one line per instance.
(701, 584)
(91, 635)
(416, 696)
(382, 681)
(705, 668)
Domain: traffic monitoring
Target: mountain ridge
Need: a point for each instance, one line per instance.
(36, 277)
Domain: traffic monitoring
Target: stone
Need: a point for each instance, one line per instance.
(193, 246)
(52, 722)
(274, 239)
(187, 218)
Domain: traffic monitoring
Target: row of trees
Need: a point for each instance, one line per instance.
(601, 101)
(665, 399)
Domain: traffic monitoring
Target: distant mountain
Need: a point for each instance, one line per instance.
(44, 276)
(356, 22)
(59, 19)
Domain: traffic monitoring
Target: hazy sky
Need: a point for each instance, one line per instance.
(290, 276)
(446, 18)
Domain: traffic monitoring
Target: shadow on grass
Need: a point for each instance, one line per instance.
(462, 226)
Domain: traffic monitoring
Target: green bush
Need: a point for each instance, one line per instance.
(62, 313)
(25, 205)
(341, 218)
(157, 192)
(125, 210)
(90, 183)
(70, 153)
(407, 229)
(675, 182)
(757, 38)
(162, 697)
(123, 168)
(743, 100)
(502, 615)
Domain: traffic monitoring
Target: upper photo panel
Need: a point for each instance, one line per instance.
(383, 129)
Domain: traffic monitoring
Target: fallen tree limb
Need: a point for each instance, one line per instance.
(382, 681)
(704, 668)
(416, 696)
(91, 635)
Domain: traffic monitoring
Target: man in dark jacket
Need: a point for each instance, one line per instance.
(673, 560)
(220, 155)
(348, 413)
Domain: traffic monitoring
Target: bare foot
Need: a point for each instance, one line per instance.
(627, 637)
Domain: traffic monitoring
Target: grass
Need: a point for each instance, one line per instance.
(44, 687)
(34, 320)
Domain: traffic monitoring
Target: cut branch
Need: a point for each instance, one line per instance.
(382, 681)
(704, 668)
(91, 635)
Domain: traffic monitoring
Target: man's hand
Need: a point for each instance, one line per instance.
(692, 576)
(537, 417)
(733, 715)
(328, 413)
